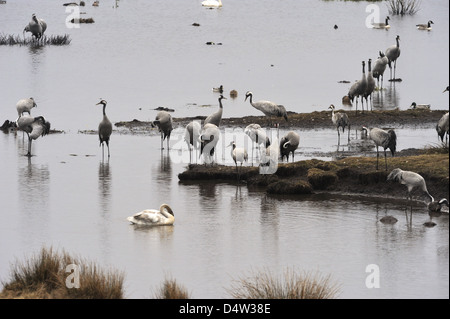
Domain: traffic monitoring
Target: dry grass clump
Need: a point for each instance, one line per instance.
(402, 7)
(291, 285)
(44, 276)
(170, 289)
(17, 40)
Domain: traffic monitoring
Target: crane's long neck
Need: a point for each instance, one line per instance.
(370, 66)
(398, 42)
(220, 103)
(104, 109)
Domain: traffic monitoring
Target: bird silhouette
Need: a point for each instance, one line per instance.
(216, 117)
(393, 53)
(289, 144)
(379, 68)
(104, 129)
(163, 121)
(209, 137)
(370, 85)
(426, 26)
(358, 89)
(34, 127)
(442, 127)
(385, 139)
(239, 154)
(25, 106)
(412, 180)
(268, 108)
(36, 26)
(340, 120)
(382, 25)
(192, 135)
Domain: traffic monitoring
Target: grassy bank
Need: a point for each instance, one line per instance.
(356, 175)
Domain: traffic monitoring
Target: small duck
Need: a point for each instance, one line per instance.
(435, 207)
(152, 217)
(420, 106)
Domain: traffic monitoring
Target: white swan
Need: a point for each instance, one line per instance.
(163, 216)
(212, 3)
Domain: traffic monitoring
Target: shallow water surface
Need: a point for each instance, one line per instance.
(146, 54)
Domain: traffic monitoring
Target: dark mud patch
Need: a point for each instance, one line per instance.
(392, 118)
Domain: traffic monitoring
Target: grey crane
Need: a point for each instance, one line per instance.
(163, 121)
(104, 129)
(436, 206)
(209, 137)
(239, 154)
(25, 106)
(36, 26)
(393, 53)
(426, 26)
(192, 135)
(340, 120)
(382, 25)
(257, 134)
(358, 89)
(288, 144)
(268, 108)
(412, 181)
(216, 118)
(370, 86)
(34, 127)
(442, 127)
(379, 68)
(385, 139)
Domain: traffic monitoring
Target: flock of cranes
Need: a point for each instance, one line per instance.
(205, 137)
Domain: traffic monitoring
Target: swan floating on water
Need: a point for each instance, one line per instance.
(153, 217)
(212, 3)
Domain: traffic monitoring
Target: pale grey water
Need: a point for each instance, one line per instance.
(146, 54)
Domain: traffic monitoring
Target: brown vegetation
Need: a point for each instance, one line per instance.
(292, 285)
(44, 276)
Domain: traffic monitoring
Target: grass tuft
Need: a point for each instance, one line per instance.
(291, 285)
(170, 289)
(18, 40)
(44, 276)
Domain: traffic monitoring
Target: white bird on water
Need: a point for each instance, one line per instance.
(152, 217)
(212, 3)
(34, 127)
(25, 106)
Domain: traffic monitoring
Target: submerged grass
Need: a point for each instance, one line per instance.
(45, 276)
(18, 40)
(264, 284)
